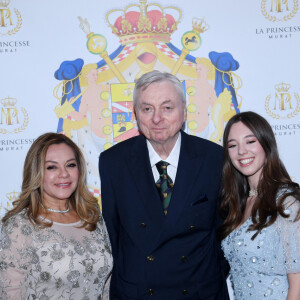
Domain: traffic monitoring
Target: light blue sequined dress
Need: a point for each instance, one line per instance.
(259, 267)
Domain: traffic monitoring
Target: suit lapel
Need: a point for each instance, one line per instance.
(187, 176)
(143, 177)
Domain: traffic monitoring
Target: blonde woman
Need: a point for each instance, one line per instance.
(54, 243)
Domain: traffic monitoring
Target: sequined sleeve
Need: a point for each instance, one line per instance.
(289, 231)
(15, 257)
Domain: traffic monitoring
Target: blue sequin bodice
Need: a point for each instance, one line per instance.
(259, 267)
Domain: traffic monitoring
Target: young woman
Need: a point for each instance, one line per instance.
(261, 206)
(54, 243)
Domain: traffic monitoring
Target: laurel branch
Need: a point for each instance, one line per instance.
(273, 18)
(4, 131)
(297, 109)
(18, 26)
(293, 13)
(20, 129)
(268, 111)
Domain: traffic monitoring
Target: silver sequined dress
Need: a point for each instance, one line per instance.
(259, 267)
(60, 262)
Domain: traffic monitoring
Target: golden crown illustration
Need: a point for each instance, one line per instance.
(4, 3)
(12, 196)
(282, 87)
(144, 22)
(199, 25)
(8, 102)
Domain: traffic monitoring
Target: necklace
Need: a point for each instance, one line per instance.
(56, 210)
(253, 193)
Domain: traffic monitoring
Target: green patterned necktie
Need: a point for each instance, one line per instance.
(164, 184)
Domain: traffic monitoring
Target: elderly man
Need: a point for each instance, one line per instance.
(159, 196)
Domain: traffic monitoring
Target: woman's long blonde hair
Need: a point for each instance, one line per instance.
(85, 205)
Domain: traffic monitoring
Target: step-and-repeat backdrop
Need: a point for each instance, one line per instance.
(70, 66)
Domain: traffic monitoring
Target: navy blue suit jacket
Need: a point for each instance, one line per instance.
(170, 257)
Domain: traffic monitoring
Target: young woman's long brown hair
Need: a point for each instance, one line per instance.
(235, 188)
(32, 186)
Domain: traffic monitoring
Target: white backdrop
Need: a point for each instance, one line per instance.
(36, 37)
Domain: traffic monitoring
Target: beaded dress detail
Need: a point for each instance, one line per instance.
(58, 262)
(259, 267)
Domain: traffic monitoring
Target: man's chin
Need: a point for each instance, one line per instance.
(159, 138)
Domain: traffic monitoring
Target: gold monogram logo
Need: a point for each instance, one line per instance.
(11, 198)
(283, 105)
(9, 23)
(10, 118)
(279, 10)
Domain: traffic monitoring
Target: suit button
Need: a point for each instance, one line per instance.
(150, 292)
(185, 292)
(143, 225)
(150, 258)
(192, 227)
(184, 258)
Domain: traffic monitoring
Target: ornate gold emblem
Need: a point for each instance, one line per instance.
(9, 24)
(279, 10)
(96, 44)
(13, 196)
(283, 105)
(191, 40)
(10, 117)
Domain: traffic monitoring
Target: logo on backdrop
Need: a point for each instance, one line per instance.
(279, 10)
(14, 119)
(10, 20)
(10, 24)
(8, 203)
(284, 103)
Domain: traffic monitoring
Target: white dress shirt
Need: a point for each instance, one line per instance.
(172, 159)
